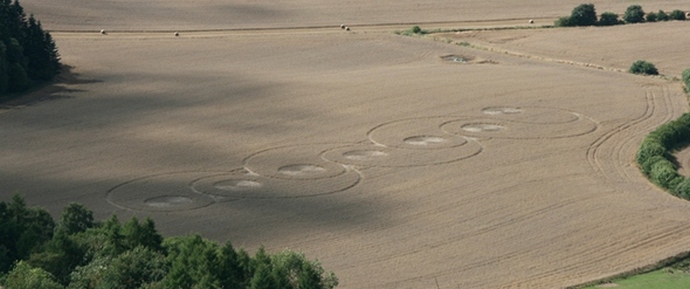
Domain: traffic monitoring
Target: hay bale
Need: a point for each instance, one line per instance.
(177, 33)
(531, 21)
(342, 26)
(103, 31)
(347, 28)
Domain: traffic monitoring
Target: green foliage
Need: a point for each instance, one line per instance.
(682, 190)
(76, 218)
(583, 15)
(643, 67)
(655, 155)
(23, 231)
(563, 22)
(634, 14)
(30, 54)
(416, 29)
(17, 78)
(83, 254)
(134, 268)
(686, 79)
(24, 276)
(677, 15)
(651, 17)
(142, 234)
(662, 16)
(59, 256)
(608, 19)
(665, 174)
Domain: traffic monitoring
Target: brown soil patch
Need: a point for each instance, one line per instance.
(197, 132)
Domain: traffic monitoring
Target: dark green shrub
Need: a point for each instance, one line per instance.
(643, 67)
(583, 15)
(608, 19)
(662, 16)
(416, 29)
(686, 79)
(647, 164)
(677, 15)
(651, 17)
(648, 149)
(563, 22)
(683, 189)
(665, 174)
(634, 14)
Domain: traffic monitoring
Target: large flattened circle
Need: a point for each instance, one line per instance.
(164, 192)
(415, 134)
(531, 114)
(234, 186)
(500, 128)
(296, 162)
(370, 155)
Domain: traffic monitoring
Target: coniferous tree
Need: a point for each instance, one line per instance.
(28, 54)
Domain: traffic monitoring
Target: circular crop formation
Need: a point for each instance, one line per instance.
(309, 170)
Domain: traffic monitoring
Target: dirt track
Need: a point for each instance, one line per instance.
(367, 150)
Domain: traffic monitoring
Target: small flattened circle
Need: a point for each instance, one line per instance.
(364, 154)
(482, 127)
(168, 201)
(424, 140)
(497, 110)
(237, 185)
(532, 114)
(301, 170)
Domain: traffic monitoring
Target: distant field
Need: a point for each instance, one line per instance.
(398, 162)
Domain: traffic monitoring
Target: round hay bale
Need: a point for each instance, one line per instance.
(342, 26)
(347, 28)
(177, 33)
(531, 21)
(687, 14)
(102, 31)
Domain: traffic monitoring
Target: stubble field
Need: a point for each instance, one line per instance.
(398, 162)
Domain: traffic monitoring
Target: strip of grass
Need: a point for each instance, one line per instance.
(659, 279)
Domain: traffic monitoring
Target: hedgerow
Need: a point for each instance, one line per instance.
(655, 155)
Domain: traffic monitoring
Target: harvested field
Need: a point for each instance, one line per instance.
(373, 152)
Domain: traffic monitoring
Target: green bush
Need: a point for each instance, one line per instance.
(583, 15)
(648, 149)
(24, 276)
(634, 14)
(643, 67)
(677, 15)
(608, 19)
(686, 79)
(683, 189)
(416, 29)
(647, 164)
(563, 22)
(651, 17)
(665, 174)
(662, 16)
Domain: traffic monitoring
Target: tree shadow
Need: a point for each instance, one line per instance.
(48, 90)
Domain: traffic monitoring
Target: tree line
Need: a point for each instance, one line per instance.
(77, 252)
(28, 55)
(655, 157)
(586, 15)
